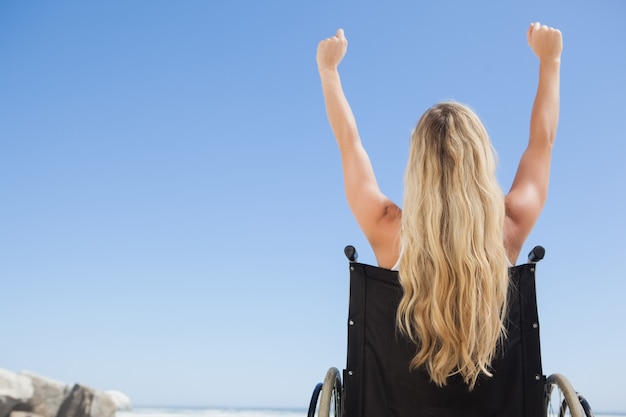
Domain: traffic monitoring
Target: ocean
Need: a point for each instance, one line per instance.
(237, 412)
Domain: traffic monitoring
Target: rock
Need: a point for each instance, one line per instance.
(121, 400)
(48, 395)
(15, 413)
(30, 395)
(83, 401)
(14, 389)
(102, 405)
(77, 403)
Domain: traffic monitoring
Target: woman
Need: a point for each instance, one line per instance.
(457, 231)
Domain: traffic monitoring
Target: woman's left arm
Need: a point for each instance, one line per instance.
(529, 191)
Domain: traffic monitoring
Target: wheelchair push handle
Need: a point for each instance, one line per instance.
(536, 254)
(351, 253)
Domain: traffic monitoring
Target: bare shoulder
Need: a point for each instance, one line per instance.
(523, 206)
(512, 241)
(386, 242)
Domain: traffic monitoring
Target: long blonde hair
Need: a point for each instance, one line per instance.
(453, 269)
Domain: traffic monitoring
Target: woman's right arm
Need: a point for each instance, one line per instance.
(529, 191)
(378, 217)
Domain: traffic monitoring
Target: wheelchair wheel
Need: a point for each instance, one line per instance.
(586, 407)
(330, 400)
(561, 399)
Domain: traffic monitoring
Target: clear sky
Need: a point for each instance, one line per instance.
(172, 216)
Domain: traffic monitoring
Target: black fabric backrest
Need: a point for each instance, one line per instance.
(377, 380)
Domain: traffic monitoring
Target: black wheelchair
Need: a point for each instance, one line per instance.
(377, 381)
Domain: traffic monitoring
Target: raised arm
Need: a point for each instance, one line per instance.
(529, 191)
(377, 216)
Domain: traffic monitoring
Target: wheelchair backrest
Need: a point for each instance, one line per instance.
(377, 379)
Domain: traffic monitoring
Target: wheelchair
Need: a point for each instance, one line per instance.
(377, 381)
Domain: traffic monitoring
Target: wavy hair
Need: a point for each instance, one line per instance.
(453, 269)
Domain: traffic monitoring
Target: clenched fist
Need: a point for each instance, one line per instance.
(546, 42)
(331, 51)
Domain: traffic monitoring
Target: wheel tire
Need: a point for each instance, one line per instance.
(331, 393)
(561, 398)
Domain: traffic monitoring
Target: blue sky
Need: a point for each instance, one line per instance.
(172, 218)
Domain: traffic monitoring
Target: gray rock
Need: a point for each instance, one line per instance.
(23, 414)
(121, 400)
(77, 403)
(48, 395)
(26, 394)
(102, 405)
(14, 389)
(84, 401)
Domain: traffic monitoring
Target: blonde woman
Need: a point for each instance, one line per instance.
(457, 231)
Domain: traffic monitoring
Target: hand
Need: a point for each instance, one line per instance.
(331, 51)
(546, 42)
